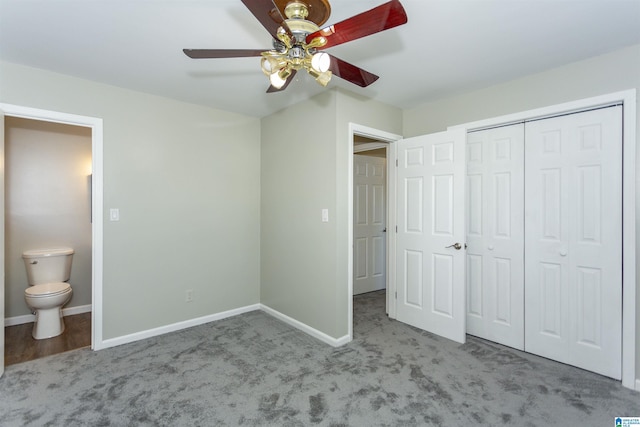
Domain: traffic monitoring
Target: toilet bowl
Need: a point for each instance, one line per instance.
(47, 272)
(46, 301)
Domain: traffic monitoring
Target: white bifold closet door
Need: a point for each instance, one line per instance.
(495, 235)
(544, 234)
(573, 239)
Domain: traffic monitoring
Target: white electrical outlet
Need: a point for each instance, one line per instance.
(188, 295)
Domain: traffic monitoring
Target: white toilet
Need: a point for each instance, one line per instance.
(47, 272)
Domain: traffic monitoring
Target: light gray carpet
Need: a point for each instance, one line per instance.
(254, 370)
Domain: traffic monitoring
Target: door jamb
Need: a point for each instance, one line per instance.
(390, 139)
(629, 139)
(96, 201)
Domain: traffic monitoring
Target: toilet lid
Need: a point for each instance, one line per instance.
(47, 289)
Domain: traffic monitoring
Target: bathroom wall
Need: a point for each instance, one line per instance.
(47, 203)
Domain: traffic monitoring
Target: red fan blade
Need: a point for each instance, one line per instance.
(351, 73)
(378, 19)
(273, 89)
(268, 14)
(221, 53)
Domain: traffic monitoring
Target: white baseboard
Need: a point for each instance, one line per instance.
(335, 342)
(126, 339)
(30, 318)
(76, 310)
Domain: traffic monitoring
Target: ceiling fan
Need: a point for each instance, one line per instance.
(298, 40)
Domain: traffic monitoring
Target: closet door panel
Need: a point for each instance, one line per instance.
(573, 229)
(495, 211)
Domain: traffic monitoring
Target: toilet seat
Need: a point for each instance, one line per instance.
(47, 290)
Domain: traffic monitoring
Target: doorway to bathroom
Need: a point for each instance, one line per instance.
(47, 205)
(53, 197)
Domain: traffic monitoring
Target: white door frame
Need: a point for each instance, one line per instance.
(96, 201)
(628, 99)
(389, 139)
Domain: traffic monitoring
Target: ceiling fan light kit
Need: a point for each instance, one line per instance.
(292, 52)
(298, 39)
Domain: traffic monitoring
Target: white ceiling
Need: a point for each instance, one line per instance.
(447, 47)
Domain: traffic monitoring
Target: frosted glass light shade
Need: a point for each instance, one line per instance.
(277, 81)
(321, 61)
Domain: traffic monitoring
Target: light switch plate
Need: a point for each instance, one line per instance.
(325, 215)
(114, 214)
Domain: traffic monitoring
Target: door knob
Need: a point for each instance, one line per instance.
(385, 230)
(456, 246)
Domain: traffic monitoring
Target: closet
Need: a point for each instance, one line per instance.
(544, 235)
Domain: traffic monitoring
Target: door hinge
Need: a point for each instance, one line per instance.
(396, 228)
(396, 294)
(396, 162)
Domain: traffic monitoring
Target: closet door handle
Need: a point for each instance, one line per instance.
(456, 246)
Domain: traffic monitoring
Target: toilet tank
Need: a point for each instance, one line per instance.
(48, 265)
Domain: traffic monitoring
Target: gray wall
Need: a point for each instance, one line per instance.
(47, 203)
(186, 181)
(304, 269)
(595, 76)
(609, 73)
(298, 180)
(352, 108)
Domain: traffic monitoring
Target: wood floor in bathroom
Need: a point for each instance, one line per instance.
(19, 345)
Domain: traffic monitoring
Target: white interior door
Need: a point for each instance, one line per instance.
(495, 235)
(2, 242)
(369, 224)
(573, 229)
(430, 258)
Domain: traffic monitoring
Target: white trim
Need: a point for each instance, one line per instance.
(629, 137)
(149, 333)
(638, 385)
(335, 342)
(79, 309)
(30, 318)
(392, 222)
(19, 320)
(369, 146)
(552, 110)
(137, 336)
(97, 229)
(97, 190)
(389, 139)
